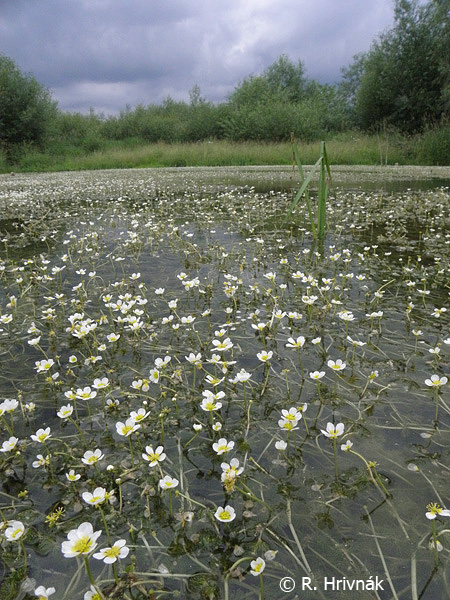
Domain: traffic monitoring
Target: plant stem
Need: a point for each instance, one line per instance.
(88, 570)
(105, 524)
(335, 458)
(436, 557)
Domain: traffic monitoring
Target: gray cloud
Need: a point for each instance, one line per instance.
(105, 54)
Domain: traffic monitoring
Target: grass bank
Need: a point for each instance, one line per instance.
(346, 149)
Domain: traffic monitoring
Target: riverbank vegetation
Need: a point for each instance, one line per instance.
(391, 106)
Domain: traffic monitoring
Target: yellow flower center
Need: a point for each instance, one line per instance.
(434, 508)
(224, 515)
(16, 533)
(112, 552)
(83, 545)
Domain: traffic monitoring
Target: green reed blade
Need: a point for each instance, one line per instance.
(300, 193)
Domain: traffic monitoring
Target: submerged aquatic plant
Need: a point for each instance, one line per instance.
(186, 337)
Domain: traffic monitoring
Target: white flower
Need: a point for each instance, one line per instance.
(41, 435)
(346, 315)
(265, 356)
(316, 375)
(140, 415)
(8, 405)
(41, 461)
(167, 482)
(90, 457)
(208, 404)
(241, 377)
(336, 366)
(98, 496)
(298, 343)
(14, 530)
(80, 541)
(154, 456)
(309, 299)
(43, 593)
(44, 365)
(280, 445)
(257, 566)
(85, 393)
(72, 476)
(435, 510)
(140, 384)
(91, 594)
(332, 431)
(232, 468)
(355, 342)
(293, 414)
(113, 337)
(436, 381)
(223, 345)
(100, 383)
(187, 320)
(225, 514)
(346, 447)
(127, 428)
(222, 446)
(288, 424)
(65, 411)
(154, 375)
(110, 555)
(195, 359)
(9, 445)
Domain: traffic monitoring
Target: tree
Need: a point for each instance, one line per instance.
(282, 80)
(26, 107)
(351, 80)
(286, 77)
(404, 74)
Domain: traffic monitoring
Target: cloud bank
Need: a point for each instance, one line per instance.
(106, 54)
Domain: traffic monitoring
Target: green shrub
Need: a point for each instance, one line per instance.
(434, 147)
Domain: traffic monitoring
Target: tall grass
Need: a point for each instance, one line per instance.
(351, 148)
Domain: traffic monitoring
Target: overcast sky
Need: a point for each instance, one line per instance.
(106, 54)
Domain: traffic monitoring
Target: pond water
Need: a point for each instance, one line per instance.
(181, 296)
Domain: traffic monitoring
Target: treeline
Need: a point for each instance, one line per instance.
(255, 111)
(401, 85)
